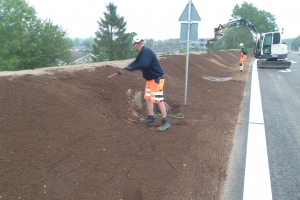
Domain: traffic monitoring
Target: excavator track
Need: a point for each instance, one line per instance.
(274, 64)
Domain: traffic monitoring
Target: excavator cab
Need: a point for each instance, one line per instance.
(266, 48)
(270, 39)
(272, 48)
(273, 52)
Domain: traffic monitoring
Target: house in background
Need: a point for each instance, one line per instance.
(79, 49)
(203, 42)
(80, 55)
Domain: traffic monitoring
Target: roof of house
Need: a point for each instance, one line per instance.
(78, 55)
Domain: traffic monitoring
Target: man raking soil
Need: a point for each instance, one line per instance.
(147, 62)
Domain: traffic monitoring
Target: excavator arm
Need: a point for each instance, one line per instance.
(222, 28)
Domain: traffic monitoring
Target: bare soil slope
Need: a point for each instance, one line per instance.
(69, 133)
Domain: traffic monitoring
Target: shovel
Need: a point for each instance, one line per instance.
(109, 77)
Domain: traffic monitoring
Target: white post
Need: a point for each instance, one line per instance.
(187, 52)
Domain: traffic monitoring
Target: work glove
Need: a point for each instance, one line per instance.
(121, 71)
(128, 68)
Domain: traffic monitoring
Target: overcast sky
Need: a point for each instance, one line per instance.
(158, 19)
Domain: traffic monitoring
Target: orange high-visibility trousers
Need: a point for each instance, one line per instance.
(242, 60)
(153, 91)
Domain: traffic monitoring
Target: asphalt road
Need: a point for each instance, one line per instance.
(280, 96)
(280, 92)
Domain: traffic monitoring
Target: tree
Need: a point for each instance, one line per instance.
(182, 50)
(77, 42)
(111, 42)
(150, 43)
(262, 20)
(88, 50)
(196, 48)
(132, 52)
(88, 41)
(15, 19)
(52, 46)
(295, 43)
(28, 42)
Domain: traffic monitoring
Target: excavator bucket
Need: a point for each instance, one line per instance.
(274, 64)
(217, 37)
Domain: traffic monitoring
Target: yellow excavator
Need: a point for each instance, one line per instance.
(268, 49)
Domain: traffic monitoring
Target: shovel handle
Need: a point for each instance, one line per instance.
(112, 75)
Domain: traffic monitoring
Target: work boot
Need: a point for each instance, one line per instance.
(241, 71)
(165, 124)
(150, 120)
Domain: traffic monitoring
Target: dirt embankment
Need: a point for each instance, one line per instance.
(69, 133)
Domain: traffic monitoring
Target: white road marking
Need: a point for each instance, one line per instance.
(257, 184)
(293, 61)
(285, 70)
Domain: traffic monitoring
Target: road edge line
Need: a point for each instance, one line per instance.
(257, 184)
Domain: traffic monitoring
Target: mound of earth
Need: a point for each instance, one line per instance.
(69, 133)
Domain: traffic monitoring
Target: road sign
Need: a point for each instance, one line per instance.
(188, 32)
(193, 32)
(185, 14)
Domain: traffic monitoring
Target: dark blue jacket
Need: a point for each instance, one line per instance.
(147, 62)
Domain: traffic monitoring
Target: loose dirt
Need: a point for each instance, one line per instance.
(69, 133)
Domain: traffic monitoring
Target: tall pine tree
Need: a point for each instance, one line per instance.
(111, 42)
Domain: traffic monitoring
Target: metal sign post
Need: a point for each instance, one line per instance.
(188, 15)
(187, 54)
